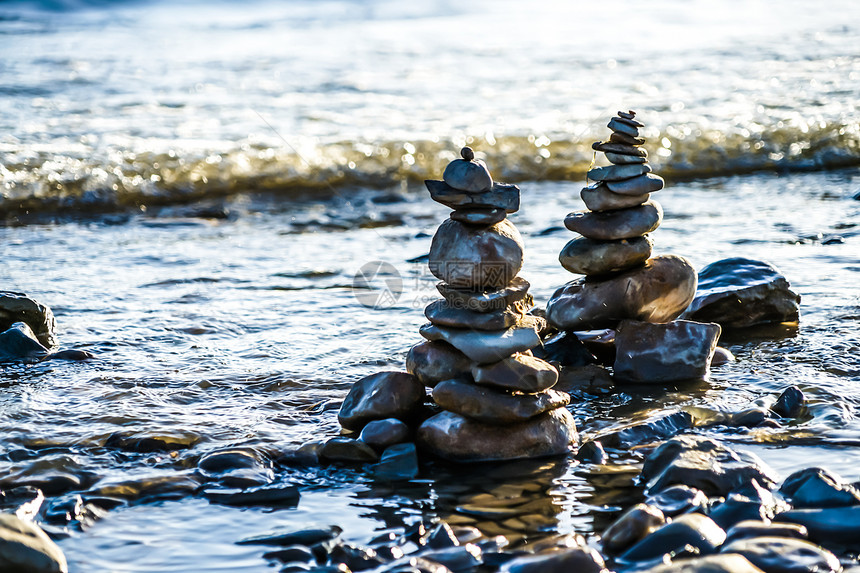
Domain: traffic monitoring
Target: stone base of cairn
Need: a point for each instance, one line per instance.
(496, 398)
(624, 286)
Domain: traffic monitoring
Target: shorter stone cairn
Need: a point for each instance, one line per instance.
(624, 286)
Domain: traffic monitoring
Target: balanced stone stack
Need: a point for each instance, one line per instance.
(622, 281)
(497, 399)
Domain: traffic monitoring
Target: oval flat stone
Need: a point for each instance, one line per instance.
(647, 183)
(443, 313)
(379, 396)
(618, 224)
(589, 257)
(519, 372)
(832, 524)
(468, 175)
(689, 529)
(658, 291)
(487, 300)
(627, 118)
(483, 217)
(380, 434)
(619, 125)
(750, 529)
(599, 198)
(488, 347)
(459, 439)
(621, 148)
(432, 362)
(476, 257)
(492, 406)
(618, 159)
(784, 555)
(623, 138)
(618, 172)
(631, 526)
(500, 196)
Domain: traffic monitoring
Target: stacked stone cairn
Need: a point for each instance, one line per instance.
(624, 287)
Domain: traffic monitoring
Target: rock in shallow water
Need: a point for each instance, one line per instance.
(475, 258)
(459, 439)
(751, 529)
(667, 352)
(618, 224)
(19, 343)
(723, 563)
(689, 529)
(495, 407)
(817, 487)
(572, 560)
(399, 462)
(18, 307)
(739, 293)
(488, 347)
(658, 291)
(379, 396)
(790, 403)
(343, 449)
(631, 526)
(585, 256)
(432, 362)
(24, 547)
(784, 555)
(519, 372)
(678, 499)
(840, 525)
(380, 434)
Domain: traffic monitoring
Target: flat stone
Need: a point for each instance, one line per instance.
(618, 172)
(598, 197)
(627, 118)
(488, 347)
(817, 487)
(468, 175)
(379, 396)
(722, 563)
(495, 407)
(586, 256)
(488, 300)
(18, 307)
(25, 547)
(632, 526)
(398, 462)
(280, 496)
(831, 524)
(432, 362)
(443, 313)
(790, 403)
(620, 148)
(619, 159)
(482, 217)
(665, 352)
(19, 343)
(343, 449)
(565, 349)
(658, 291)
(519, 372)
(689, 529)
(629, 114)
(647, 183)
(500, 196)
(618, 125)
(460, 439)
(657, 428)
(751, 502)
(616, 137)
(678, 499)
(785, 555)
(739, 293)
(752, 528)
(379, 434)
(615, 225)
(474, 258)
(306, 537)
(568, 560)
(705, 464)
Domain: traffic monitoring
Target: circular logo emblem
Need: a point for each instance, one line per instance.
(377, 284)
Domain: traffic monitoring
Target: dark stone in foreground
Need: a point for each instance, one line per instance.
(398, 462)
(817, 487)
(790, 403)
(678, 499)
(19, 343)
(18, 307)
(344, 449)
(380, 434)
(586, 256)
(379, 396)
(688, 529)
(828, 525)
(751, 528)
(739, 293)
(632, 526)
(459, 439)
(722, 563)
(266, 496)
(519, 372)
(785, 555)
(572, 560)
(25, 548)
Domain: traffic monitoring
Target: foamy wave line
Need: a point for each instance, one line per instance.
(36, 181)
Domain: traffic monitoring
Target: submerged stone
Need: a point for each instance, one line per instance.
(722, 356)
(591, 453)
(692, 529)
(785, 555)
(519, 372)
(24, 547)
(678, 499)
(632, 526)
(482, 217)
(495, 407)
(739, 293)
(590, 257)
(443, 313)
(600, 198)
(488, 347)
(665, 352)
(460, 439)
(488, 300)
(476, 257)
(839, 525)
(658, 291)
(432, 362)
(500, 197)
(18, 307)
(305, 537)
(19, 343)
(266, 496)
(379, 396)
(618, 224)
(564, 349)
(343, 449)
(657, 428)
(647, 183)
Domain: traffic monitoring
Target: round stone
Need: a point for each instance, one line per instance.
(443, 313)
(618, 172)
(483, 217)
(432, 362)
(589, 257)
(519, 372)
(658, 291)
(599, 198)
(784, 555)
(468, 175)
(379, 396)
(631, 526)
(492, 406)
(488, 300)
(618, 224)
(380, 434)
(467, 154)
(647, 183)
(475, 258)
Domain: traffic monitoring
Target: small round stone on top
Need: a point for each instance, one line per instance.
(467, 153)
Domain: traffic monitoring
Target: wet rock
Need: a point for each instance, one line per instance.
(739, 293)
(599, 198)
(147, 489)
(482, 217)
(460, 439)
(18, 307)
(647, 183)
(722, 356)
(432, 362)
(267, 496)
(443, 313)
(476, 257)
(379, 434)
(291, 553)
(416, 565)
(468, 174)
(570, 560)
(306, 537)
(441, 536)
(618, 172)
(657, 428)
(784, 555)
(668, 352)
(356, 557)
(379, 396)
(461, 558)
(591, 453)
(486, 300)
(618, 224)
(751, 528)
(24, 500)
(501, 197)
(71, 355)
(222, 461)
(620, 148)
(146, 442)
(704, 464)
(488, 347)
(790, 403)
(398, 462)
(590, 257)
(723, 563)
(828, 525)
(591, 379)
(343, 449)
(632, 526)
(495, 407)
(519, 372)
(692, 529)
(564, 349)
(750, 503)
(19, 343)
(627, 127)
(658, 291)
(615, 137)
(53, 474)
(678, 499)
(817, 487)
(619, 159)
(24, 547)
